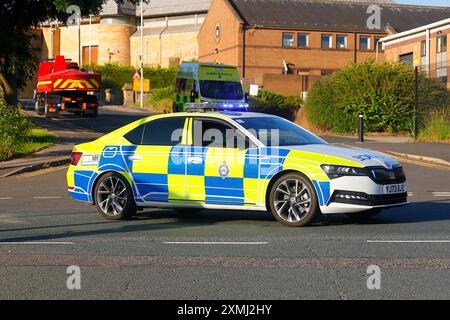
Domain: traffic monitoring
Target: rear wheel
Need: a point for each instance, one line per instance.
(37, 107)
(113, 197)
(92, 113)
(293, 200)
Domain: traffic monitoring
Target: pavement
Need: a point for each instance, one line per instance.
(400, 146)
(69, 130)
(217, 254)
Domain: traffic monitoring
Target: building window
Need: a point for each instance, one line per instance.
(93, 54)
(288, 39)
(423, 56)
(441, 58)
(423, 48)
(441, 44)
(327, 41)
(303, 40)
(341, 41)
(364, 43)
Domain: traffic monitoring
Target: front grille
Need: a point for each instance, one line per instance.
(387, 176)
(364, 199)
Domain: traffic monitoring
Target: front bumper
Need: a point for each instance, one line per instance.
(357, 194)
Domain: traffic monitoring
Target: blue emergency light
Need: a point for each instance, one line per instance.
(204, 107)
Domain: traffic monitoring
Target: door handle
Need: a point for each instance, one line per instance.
(195, 160)
(135, 158)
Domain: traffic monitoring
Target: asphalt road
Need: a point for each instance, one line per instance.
(218, 254)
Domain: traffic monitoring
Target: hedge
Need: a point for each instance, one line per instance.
(383, 92)
(14, 130)
(115, 76)
(277, 104)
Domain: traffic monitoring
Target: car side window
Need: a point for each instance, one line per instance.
(135, 135)
(164, 132)
(217, 134)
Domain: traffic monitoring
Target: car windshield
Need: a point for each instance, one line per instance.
(275, 131)
(222, 90)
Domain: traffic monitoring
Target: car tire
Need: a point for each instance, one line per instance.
(38, 109)
(293, 200)
(114, 198)
(365, 215)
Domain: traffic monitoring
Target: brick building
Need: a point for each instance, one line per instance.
(424, 47)
(170, 33)
(285, 46)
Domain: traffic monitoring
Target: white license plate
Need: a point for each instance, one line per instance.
(395, 188)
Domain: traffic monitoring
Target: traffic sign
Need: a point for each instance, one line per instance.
(137, 85)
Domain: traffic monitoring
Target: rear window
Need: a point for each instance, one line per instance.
(159, 132)
(135, 135)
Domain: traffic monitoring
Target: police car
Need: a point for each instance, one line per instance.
(231, 160)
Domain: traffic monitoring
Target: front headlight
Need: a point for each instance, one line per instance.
(334, 171)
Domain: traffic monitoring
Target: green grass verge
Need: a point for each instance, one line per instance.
(436, 128)
(157, 105)
(39, 139)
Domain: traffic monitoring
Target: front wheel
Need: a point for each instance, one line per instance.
(293, 200)
(113, 197)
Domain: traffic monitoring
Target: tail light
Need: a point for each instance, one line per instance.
(76, 156)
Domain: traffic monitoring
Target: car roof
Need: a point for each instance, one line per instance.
(222, 114)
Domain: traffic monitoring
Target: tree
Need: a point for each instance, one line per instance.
(19, 46)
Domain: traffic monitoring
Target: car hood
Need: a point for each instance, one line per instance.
(365, 157)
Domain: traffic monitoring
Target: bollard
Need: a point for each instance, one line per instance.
(361, 129)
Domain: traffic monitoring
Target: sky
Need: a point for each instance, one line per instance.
(445, 3)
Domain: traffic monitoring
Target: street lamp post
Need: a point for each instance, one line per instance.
(79, 38)
(142, 55)
(90, 47)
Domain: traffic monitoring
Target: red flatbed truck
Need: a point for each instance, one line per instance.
(63, 87)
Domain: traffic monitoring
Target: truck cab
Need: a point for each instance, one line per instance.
(207, 83)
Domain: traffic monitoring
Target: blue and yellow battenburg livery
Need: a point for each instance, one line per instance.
(186, 175)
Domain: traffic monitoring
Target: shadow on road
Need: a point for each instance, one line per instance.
(415, 212)
(168, 219)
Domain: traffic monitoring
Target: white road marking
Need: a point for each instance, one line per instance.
(217, 242)
(441, 194)
(37, 242)
(408, 241)
(41, 198)
(6, 198)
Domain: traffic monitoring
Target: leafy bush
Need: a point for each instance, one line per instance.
(382, 92)
(14, 130)
(115, 76)
(273, 103)
(160, 94)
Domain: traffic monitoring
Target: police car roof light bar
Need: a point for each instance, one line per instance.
(205, 107)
